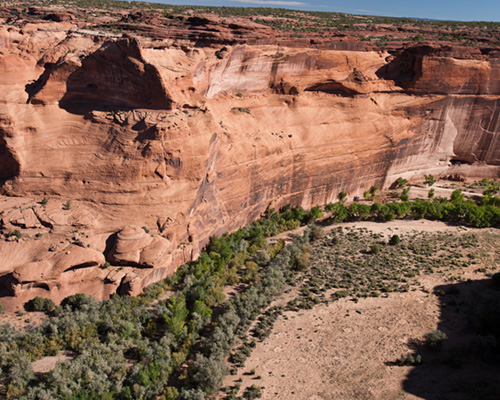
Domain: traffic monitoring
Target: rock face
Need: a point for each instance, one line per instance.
(189, 140)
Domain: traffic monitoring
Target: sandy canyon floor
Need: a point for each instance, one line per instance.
(347, 350)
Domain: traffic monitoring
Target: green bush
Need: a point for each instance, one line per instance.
(409, 360)
(429, 180)
(400, 183)
(252, 392)
(40, 304)
(435, 339)
(395, 239)
(16, 232)
(342, 197)
(375, 248)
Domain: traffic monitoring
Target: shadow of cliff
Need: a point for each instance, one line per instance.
(6, 285)
(467, 365)
(114, 77)
(405, 67)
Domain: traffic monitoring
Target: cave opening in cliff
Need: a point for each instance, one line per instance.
(9, 166)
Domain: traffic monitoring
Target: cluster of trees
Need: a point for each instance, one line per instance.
(133, 348)
(485, 213)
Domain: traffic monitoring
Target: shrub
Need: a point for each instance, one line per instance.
(401, 183)
(262, 257)
(208, 372)
(79, 301)
(409, 359)
(40, 304)
(430, 195)
(67, 205)
(375, 248)
(302, 261)
(316, 233)
(456, 196)
(435, 339)
(404, 196)
(16, 232)
(44, 201)
(429, 180)
(342, 197)
(371, 193)
(395, 239)
(252, 392)
(192, 394)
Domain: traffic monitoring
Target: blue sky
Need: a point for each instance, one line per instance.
(463, 10)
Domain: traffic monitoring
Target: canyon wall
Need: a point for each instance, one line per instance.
(102, 135)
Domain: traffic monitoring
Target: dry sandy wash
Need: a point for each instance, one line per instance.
(347, 350)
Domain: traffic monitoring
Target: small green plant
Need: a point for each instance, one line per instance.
(429, 180)
(67, 205)
(145, 229)
(342, 197)
(44, 201)
(375, 248)
(409, 360)
(435, 339)
(430, 195)
(404, 196)
(252, 392)
(371, 193)
(16, 232)
(244, 110)
(395, 239)
(401, 183)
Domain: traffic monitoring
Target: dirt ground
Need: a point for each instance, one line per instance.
(347, 350)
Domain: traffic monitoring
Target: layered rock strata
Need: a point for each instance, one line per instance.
(150, 146)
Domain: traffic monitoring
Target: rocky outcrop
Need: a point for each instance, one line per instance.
(194, 137)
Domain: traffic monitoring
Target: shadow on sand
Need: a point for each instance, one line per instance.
(467, 365)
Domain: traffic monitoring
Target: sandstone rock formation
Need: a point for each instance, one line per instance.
(198, 136)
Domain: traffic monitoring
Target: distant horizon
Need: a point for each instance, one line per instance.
(446, 10)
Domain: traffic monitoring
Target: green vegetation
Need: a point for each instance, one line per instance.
(244, 110)
(435, 339)
(409, 359)
(371, 193)
(401, 183)
(16, 233)
(40, 304)
(429, 180)
(362, 264)
(131, 348)
(485, 213)
(178, 347)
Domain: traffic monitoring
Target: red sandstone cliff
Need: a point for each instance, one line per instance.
(192, 140)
